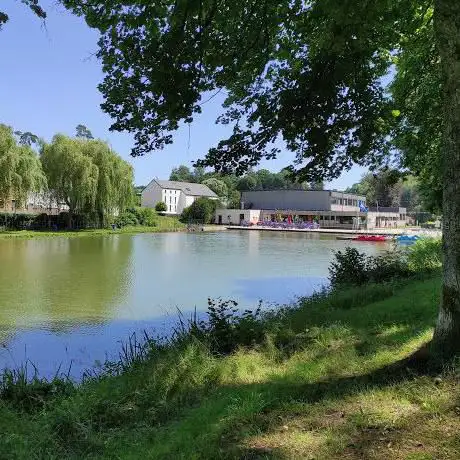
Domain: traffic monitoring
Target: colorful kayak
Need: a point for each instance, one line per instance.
(373, 238)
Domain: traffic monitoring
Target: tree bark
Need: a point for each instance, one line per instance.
(446, 340)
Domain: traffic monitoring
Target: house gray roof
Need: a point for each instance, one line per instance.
(188, 188)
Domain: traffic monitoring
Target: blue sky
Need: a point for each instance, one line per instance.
(48, 84)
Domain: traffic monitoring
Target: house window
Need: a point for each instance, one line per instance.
(175, 199)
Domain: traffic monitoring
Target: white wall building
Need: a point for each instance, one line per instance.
(36, 203)
(176, 195)
(329, 208)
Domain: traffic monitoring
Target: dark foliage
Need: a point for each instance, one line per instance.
(137, 216)
(161, 207)
(201, 210)
(352, 267)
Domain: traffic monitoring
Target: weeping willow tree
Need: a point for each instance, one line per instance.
(88, 176)
(114, 189)
(20, 169)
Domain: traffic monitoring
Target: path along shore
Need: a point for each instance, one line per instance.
(337, 231)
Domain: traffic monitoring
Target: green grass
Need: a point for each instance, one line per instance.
(321, 386)
(163, 224)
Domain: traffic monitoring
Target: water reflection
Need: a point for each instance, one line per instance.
(73, 300)
(62, 281)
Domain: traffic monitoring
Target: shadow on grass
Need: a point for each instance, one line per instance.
(366, 437)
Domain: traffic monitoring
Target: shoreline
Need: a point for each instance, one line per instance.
(31, 234)
(338, 231)
(184, 398)
(129, 230)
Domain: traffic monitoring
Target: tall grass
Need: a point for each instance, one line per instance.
(425, 255)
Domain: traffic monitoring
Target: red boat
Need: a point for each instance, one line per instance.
(374, 238)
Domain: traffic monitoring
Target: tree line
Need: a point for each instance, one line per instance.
(229, 186)
(81, 172)
(390, 188)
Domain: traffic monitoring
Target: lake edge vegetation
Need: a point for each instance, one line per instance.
(324, 378)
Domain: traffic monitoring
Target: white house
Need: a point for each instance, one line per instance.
(176, 195)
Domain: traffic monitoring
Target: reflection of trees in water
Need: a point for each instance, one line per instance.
(61, 281)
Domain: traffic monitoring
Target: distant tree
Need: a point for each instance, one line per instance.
(20, 168)
(88, 176)
(182, 174)
(317, 185)
(234, 200)
(382, 188)
(32, 4)
(201, 210)
(246, 183)
(28, 138)
(161, 207)
(410, 196)
(199, 174)
(219, 187)
(83, 132)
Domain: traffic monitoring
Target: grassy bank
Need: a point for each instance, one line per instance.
(163, 224)
(320, 385)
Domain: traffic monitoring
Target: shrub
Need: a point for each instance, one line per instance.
(16, 221)
(225, 328)
(202, 210)
(137, 216)
(425, 255)
(352, 267)
(390, 265)
(161, 207)
(349, 267)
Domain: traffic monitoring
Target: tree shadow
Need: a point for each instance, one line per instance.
(366, 440)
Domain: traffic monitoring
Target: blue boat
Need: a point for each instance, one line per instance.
(407, 238)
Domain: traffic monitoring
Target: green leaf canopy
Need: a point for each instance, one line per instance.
(20, 169)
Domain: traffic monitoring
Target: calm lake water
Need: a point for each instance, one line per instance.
(68, 302)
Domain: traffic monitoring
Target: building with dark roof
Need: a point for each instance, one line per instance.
(176, 195)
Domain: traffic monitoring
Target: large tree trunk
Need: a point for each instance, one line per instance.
(447, 28)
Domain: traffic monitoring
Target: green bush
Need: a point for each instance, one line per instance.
(137, 216)
(425, 255)
(349, 267)
(388, 266)
(161, 207)
(352, 267)
(225, 328)
(202, 210)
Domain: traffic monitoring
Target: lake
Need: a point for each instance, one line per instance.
(66, 303)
